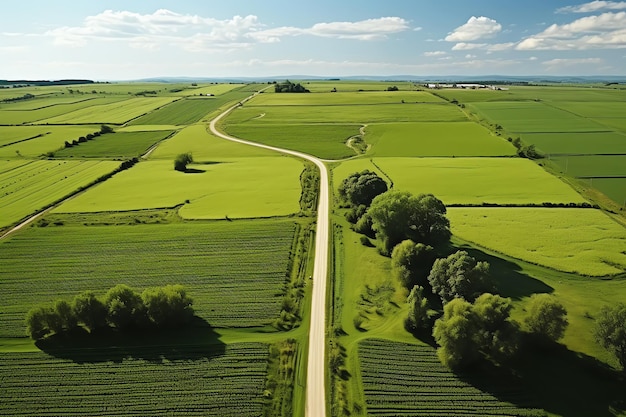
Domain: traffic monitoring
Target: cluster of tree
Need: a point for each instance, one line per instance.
(289, 87)
(26, 96)
(90, 136)
(121, 307)
(610, 331)
(525, 151)
(182, 160)
(393, 88)
(310, 183)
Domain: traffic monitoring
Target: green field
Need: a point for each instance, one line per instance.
(434, 139)
(32, 186)
(583, 241)
(344, 98)
(34, 141)
(408, 380)
(114, 113)
(118, 145)
(614, 188)
(470, 180)
(593, 166)
(234, 271)
(323, 141)
(18, 117)
(589, 143)
(595, 110)
(198, 380)
(258, 187)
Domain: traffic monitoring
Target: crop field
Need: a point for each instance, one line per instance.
(180, 112)
(115, 113)
(226, 382)
(595, 110)
(435, 139)
(593, 166)
(533, 117)
(472, 180)
(52, 139)
(589, 143)
(234, 271)
(18, 117)
(584, 241)
(614, 188)
(355, 86)
(254, 187)
(323, 141)
(346, 98)
(118, 145)
(400, 379)
(43, 102)
(33, 186)
(204, 146)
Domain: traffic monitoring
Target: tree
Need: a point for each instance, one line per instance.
(459, 276)
(411, 262)
(418, 318)
(37, 322)
(181, 161)
(106, 129)
(610, 331)
(399, 215)
(168, 306)
(468, 332)
(546, 317)
(89, 310)
(360, 188)
(65, 318)
(124, 307)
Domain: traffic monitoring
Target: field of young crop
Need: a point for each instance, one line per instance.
(400, 379)
(614, 188)
(204, 146)
(471, 180)
(18, 117)
(589, 143)
(435, 139)
(321, 140)
(234, 271)
(535, 117)
(36, 140)
(584, 241)
(201, 380)
(115, 113)
(594, 110)
(32, 186)
(593, 166)
(345, 98)
(118, 145)
(253, 187)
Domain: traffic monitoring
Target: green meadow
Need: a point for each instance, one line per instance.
(117, 145)
(255, 187)
(35, 141)
(434, 139)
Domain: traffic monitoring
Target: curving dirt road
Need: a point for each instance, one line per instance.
(315, 384)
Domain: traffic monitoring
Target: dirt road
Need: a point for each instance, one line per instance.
(315, 384)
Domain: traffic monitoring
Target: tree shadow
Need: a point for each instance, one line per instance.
(194, 171)
(195, 341)
(557, 380)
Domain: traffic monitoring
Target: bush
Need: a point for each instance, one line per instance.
(181, 161)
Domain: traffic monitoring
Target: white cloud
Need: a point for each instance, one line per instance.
(470, 56)
(475, 28)
(607, 30)
(491, 47)
(594, 6)
(533, 58)
(435, 53)
(560, 63)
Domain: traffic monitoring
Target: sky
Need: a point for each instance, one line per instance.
(127, 40)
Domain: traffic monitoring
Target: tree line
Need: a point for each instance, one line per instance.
(476, 323)
(121, 308)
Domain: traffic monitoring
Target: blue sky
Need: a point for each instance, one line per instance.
(122, 40)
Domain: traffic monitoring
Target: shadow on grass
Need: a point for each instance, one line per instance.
(557, 380)
(194, 171)
(195, 341)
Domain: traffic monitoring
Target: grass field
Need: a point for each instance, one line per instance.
(593, 166)
(595, 110)
(614, 188)
(578, 143)
(471, 180)
(583, 241)
(217, 381)
(323, 141)
(31, 144)
(32, 186)
(258, 187)
(234, 271)
(18, 117)
(119, 145)
(115, 113)
(434, 139)
(408, 380)
(345, 98)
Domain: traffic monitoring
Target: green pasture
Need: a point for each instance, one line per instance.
(582, 241)
(321, 140)
(344, 98)
(253, 187)
(615, 123)
(614, 188)
(10, 92)
(361, 113)
(587, 143)
(434, 139)
(204, 146)
(552, 94)
(145, 128)
(595, 110)
(115, 113)
(117, 145)
(325, 86)
(531, 117)
(211, 380)
(18, 117)
(471, 180)
(43, 101)
(234, 271)
(35, 185)
(592, 165)
(52, 138)
(203, 88)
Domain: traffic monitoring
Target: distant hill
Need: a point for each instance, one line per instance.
(44, 82)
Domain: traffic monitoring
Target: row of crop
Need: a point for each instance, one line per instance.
(229, 384)
(408, 378)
